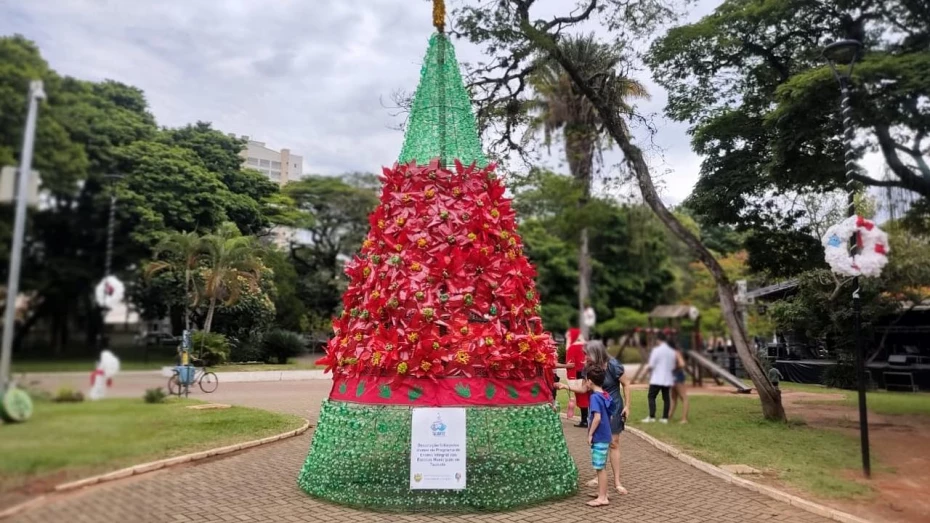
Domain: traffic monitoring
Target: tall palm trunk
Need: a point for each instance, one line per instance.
(579, 151)
(209, 321)
(584, 281)
(187, 300)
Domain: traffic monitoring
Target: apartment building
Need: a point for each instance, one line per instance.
(279, 166)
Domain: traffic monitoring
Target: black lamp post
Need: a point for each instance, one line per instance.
(842, 56)
(102, 340)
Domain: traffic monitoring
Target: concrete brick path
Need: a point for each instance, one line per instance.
(260, 485)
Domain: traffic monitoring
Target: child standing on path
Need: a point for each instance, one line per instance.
(599, 431)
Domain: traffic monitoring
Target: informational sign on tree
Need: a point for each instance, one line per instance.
(437, 449)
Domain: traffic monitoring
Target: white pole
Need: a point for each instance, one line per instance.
(36, 93)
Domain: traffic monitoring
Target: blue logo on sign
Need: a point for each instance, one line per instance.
(438, 427)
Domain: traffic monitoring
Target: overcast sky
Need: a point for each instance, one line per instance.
(309, 75)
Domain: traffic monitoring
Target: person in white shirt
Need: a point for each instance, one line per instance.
(662, 362)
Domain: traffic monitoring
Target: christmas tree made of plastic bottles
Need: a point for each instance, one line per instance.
(440, 311)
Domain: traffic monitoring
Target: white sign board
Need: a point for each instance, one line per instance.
(437, 449)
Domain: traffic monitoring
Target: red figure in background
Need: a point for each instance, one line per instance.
(574, 354)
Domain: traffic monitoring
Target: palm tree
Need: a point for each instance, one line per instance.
(560, 106)
(182, 251)
(231, 265)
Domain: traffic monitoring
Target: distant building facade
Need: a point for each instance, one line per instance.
(279, 166)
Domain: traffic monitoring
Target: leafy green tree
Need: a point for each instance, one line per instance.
(290, 311)
(186, 179)
(339, 207)
(250, 191)
(231, 266)
(763, 109)
(630, 249)
(179, 252)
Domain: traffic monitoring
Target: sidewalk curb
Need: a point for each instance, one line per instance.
(733, 479)
(152, 466)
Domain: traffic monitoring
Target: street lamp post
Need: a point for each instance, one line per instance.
(842, 56)
(36, 93)
(108, 257)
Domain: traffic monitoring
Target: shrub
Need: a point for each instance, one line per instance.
(156, 395)
(212, 348)
(842, 375)
(630, 355)
(68, 395)
(246, 349)
(281, 345)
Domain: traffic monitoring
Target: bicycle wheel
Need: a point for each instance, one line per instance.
(209, 382)
(174, 385)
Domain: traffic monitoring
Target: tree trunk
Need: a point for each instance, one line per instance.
(209, 320)
(770, 397)
(584, 281)
(187, 300)
(579, 151)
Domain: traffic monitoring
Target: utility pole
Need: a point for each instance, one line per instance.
(108, 264)
(36, 93)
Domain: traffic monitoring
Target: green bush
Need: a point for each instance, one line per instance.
(841, 376)
(630, 355)
(623, 321)
(246, 349)
(212, 348)
(156, 395)
(67, 395)
(281, 345)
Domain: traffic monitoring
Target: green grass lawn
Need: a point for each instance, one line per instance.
(67, 441)
(878, 401)
(730, 430)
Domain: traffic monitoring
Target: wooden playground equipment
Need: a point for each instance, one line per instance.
(698, 363)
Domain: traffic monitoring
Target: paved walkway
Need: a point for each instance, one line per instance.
(260, 485)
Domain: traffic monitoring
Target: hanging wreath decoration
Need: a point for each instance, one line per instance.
(872, 242)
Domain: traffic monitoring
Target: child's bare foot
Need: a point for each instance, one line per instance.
(683, 421)
(599, 502)
(592, 483)
(620, 490)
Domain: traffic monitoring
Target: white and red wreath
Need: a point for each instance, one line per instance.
(872, 243)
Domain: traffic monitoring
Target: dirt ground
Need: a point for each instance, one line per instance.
(900, 443)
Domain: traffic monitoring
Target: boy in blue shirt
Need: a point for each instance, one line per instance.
(599, 431)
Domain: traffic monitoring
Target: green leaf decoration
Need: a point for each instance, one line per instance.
(512, 392)
(463, 390)
(360, 389)
(415, 393)
(534, 390)
(342, 388)
(490, 391)
(385, 391)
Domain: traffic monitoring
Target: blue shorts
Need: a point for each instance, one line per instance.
(680, 376)
(599, 455)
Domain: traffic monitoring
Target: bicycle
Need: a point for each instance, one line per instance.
(205, 379)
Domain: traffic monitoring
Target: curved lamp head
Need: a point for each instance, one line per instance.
(841, 56)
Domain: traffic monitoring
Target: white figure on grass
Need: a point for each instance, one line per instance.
(102, 377)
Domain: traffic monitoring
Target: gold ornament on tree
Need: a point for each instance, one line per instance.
(439, 15)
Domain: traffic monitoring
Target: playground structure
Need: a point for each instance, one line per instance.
(699, 364)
